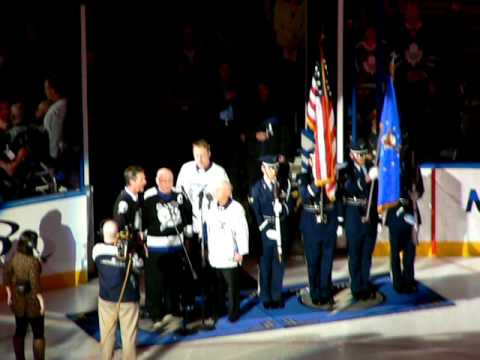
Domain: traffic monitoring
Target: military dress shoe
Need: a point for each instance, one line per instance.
(278, 304)
(356, 295)
(316, 302)
(398, 288)
(233, 317)
(410, 288)
(326, 300)
(367, 294)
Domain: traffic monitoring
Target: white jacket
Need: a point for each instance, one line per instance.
(227, 233)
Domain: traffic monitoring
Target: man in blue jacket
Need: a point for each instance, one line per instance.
(113, 305)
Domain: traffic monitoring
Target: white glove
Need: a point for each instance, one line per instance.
(188, 231)
(272, 234)
(277, 207)
(373, 173)
(410, 220)
(339, 231)
(379, 228)
(137, 262)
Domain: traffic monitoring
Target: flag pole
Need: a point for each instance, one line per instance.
(324, 87)
(339, 117)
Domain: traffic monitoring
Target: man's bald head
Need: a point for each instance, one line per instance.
(223, 192)
(164, 180)
(110, 231)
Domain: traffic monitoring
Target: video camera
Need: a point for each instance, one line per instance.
(124, 243)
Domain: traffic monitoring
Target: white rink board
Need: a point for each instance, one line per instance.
(63, 227)
(453, 222)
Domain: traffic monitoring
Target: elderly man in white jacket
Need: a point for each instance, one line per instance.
(227, 237)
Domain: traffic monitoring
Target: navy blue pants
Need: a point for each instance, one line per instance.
(361, 243)
(271, 271)
(320, 242)
(401, 240)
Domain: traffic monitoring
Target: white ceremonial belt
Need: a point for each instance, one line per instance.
(164, 241)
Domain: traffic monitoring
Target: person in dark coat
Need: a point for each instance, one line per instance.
(271, 205)
(403, 221)
(361, 219)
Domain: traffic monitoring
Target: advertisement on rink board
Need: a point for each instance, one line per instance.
(62, 227)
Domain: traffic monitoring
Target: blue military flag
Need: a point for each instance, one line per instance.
(389, 139)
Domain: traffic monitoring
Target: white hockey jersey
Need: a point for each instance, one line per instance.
(199, 185)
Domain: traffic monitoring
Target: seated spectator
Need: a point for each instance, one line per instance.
(17, 116)
(12, 156)
(23, 148)
(39, 178)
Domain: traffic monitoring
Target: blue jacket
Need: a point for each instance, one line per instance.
(111, 273)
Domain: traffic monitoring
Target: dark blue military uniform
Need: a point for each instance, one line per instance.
(271, 268)
(401, 227)
(319, 236)
(361, 235)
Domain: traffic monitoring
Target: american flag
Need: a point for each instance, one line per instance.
(320, 122)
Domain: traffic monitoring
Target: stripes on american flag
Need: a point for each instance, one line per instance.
(320, 121)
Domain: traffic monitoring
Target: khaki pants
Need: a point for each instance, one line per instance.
(108, 318)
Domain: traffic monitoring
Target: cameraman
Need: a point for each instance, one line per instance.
(119, 291)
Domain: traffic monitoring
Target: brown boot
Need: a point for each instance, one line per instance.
(19, 347)
(39, 349)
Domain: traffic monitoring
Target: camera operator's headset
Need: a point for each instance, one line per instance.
(124, 285)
